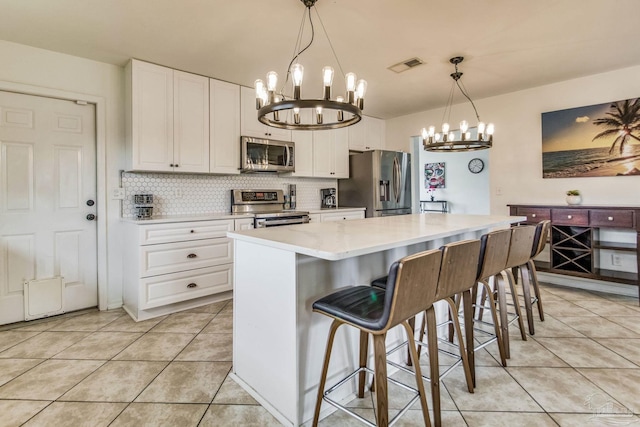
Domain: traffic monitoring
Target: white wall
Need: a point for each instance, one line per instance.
(515, 161)
(37, 67)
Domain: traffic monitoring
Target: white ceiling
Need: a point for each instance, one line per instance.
(507, 44)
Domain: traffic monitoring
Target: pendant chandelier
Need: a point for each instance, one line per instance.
(465, 138)
(279, 110)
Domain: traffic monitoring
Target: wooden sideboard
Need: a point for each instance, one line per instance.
(575, 243)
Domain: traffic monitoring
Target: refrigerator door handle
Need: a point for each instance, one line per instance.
(396, 179)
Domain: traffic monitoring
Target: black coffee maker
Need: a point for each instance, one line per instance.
(328, 199)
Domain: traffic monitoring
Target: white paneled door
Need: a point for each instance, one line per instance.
(47, 197)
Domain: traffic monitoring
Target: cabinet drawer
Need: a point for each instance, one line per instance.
(173, 257)
(341, 216)
(610, 218)
(534, 214)
(570, 217)
(171, 288)
(184, 231)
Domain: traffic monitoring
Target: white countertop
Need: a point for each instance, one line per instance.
(345, 239)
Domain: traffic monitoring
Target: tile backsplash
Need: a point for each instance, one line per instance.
(180, 194)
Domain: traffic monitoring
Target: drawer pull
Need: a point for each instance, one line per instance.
(192, 256)
(569, 216)
(533, 215)
(191, 285)
(610, 218)
(191, 231)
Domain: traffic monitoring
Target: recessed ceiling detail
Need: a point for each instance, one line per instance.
(406, 65)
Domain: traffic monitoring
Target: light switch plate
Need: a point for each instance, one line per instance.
(118, 194)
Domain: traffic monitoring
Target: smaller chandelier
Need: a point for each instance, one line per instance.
(282, 111)
(465, 138)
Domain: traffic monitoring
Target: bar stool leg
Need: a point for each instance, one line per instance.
(516, 303)
(465, 360)
(467, 307)
(418, 374)
(536, 287)
(380, 358)
(432, 343)
(412, 324)
(496, 323)
(325, 367)
(364, 348)
(504, 319)
(526, 291)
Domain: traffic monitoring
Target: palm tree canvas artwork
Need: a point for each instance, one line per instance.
(596, 140)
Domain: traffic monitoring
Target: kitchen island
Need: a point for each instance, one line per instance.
(278, 342)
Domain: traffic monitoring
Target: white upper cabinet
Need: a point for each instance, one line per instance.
(249, 124)
(190, 122)
(303, 150)
(224, 106)
(331, 153)
(368, 134)
(167, 119)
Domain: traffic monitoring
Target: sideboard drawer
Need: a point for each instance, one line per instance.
(611, 218)
(534, 214)
(570, 217)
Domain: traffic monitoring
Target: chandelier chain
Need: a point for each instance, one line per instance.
(464, 92)
(330, 44)
(297, 47)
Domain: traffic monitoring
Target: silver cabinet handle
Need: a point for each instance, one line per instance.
(569, 216)
(610, 218)
(533, 215)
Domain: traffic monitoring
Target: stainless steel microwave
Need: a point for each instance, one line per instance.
(267, 155)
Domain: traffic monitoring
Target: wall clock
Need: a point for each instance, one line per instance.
(476, 165)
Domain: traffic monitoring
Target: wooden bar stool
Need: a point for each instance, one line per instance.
(528, 270)
(411, 289)
(494, 251)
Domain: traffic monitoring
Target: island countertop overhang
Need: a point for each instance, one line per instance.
(339, 240)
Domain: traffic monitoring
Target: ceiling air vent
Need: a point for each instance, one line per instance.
(405, 65)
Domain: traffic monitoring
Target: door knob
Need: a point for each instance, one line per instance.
(90, 203)
(91, 217)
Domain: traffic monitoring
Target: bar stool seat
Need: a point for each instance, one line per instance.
(411, 289)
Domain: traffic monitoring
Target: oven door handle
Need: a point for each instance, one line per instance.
(266, 223)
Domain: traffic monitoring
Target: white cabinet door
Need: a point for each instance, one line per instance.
(375, 133)
(150, 130)
(331, 153)
(224, 102)
(341, 153)
(249, 124)
(369, 134)
(191, 122)
(303, 151)
(323, 158)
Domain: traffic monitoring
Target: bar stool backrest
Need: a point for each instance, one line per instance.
(411, 286)
(459, 268)
(541, 237)
(520, 246)
(494, 250)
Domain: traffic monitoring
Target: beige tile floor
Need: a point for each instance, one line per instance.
(581, 368)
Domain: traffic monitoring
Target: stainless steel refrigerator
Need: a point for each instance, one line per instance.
(379, 180)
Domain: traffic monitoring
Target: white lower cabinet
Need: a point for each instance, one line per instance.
(173, 266)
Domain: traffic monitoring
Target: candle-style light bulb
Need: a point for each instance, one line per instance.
(464, 125)
(327, 80)
(259, 85)
(452, 136)
(276, 114)
(445, 128)
(361, 90)
(432, 130)
(481, 127)
(319, 115)
(272, 82)
(297, 72)
(350, 83)
(425, 134)
(490, 129)
(296, 115)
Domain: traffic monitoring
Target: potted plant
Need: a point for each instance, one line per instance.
(573, 197)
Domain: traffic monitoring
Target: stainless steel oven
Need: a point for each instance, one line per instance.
(267, 155)
(267, 207)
